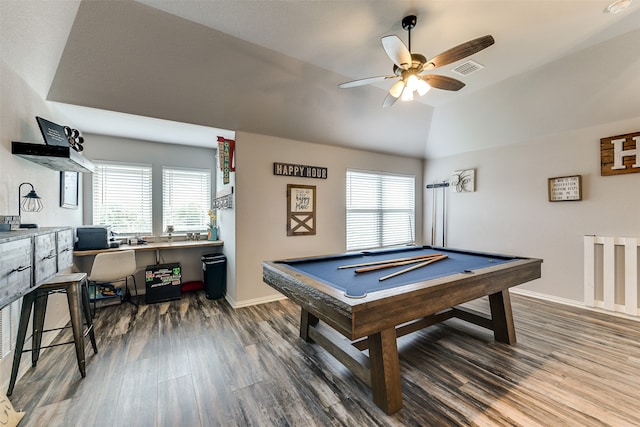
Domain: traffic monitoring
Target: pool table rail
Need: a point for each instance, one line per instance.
(314, 296)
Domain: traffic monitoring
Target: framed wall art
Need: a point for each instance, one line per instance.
(69, 190)
(301, 210)
(463, 181)
(565, 188)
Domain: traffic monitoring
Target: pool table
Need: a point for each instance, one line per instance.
(371, 313)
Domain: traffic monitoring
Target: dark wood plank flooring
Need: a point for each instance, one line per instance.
(196, 362)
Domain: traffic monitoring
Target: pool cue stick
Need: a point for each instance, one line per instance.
(394, 264)
(406, 270)
(386, 261)
(413, 237)
(433, 214)
(444, 216)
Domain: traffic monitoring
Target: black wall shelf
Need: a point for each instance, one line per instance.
(54, 157)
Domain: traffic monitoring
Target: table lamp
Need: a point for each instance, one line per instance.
(29, 203)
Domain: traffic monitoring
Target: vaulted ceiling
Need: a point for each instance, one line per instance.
(272, 67)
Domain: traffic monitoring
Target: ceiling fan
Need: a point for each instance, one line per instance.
(410, 68)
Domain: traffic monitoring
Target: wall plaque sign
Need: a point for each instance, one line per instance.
(620, 154)
(52, 133)
(226, 148)
(303, 171)
(301, 210)
(565, 188)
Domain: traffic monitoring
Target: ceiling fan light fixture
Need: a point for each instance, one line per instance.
(407, 94)
(412, 82)
(423, 87)
(396, 89)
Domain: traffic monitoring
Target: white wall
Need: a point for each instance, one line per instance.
(261, 208)
(510, 212)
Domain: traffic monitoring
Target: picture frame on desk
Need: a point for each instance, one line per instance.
(69, 190)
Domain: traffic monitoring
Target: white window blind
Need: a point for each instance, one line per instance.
(380, 210)
(186, 199)
(122, 197)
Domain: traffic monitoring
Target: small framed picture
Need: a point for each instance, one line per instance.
(301, 210)
(69, 190)
(463, 181)
(565, 188)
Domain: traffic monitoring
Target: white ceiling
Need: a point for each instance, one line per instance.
(272, 66)
(113, 123)
(344, 36)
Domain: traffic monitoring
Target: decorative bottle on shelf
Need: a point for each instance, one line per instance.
(169, 232)
(212, 233)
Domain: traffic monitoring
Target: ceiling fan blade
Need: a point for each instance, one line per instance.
(461, 51)
(389, 100)
(397, 51)
(362, 82)
(443, 82)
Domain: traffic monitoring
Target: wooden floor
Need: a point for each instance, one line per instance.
(196, 362)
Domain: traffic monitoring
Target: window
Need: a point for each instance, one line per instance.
(122, 197)
(380, 209)
(186, 199)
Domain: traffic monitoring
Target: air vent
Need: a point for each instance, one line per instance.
(467, 68)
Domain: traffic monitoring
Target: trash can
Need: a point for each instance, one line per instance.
(214, 269)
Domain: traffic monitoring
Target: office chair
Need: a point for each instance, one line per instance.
(114, 267)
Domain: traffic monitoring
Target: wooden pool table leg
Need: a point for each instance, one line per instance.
(307, 319)
(385, 371)
(502, 317)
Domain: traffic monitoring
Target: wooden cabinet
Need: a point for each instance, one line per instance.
(65, 240)
(15, 270)
(45, 258)
(29, 258)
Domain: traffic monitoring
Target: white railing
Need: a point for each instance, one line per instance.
(611, 273)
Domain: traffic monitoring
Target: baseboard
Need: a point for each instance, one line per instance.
(546, 297)
(256, 301)
(571, 303)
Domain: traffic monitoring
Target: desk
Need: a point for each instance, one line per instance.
(413, 300)
(155, 246)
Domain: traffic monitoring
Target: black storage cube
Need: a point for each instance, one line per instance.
(214, 268)
(163, 282)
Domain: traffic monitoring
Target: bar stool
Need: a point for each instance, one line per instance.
(75, 286)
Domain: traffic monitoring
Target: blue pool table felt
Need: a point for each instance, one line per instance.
(357, 285)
